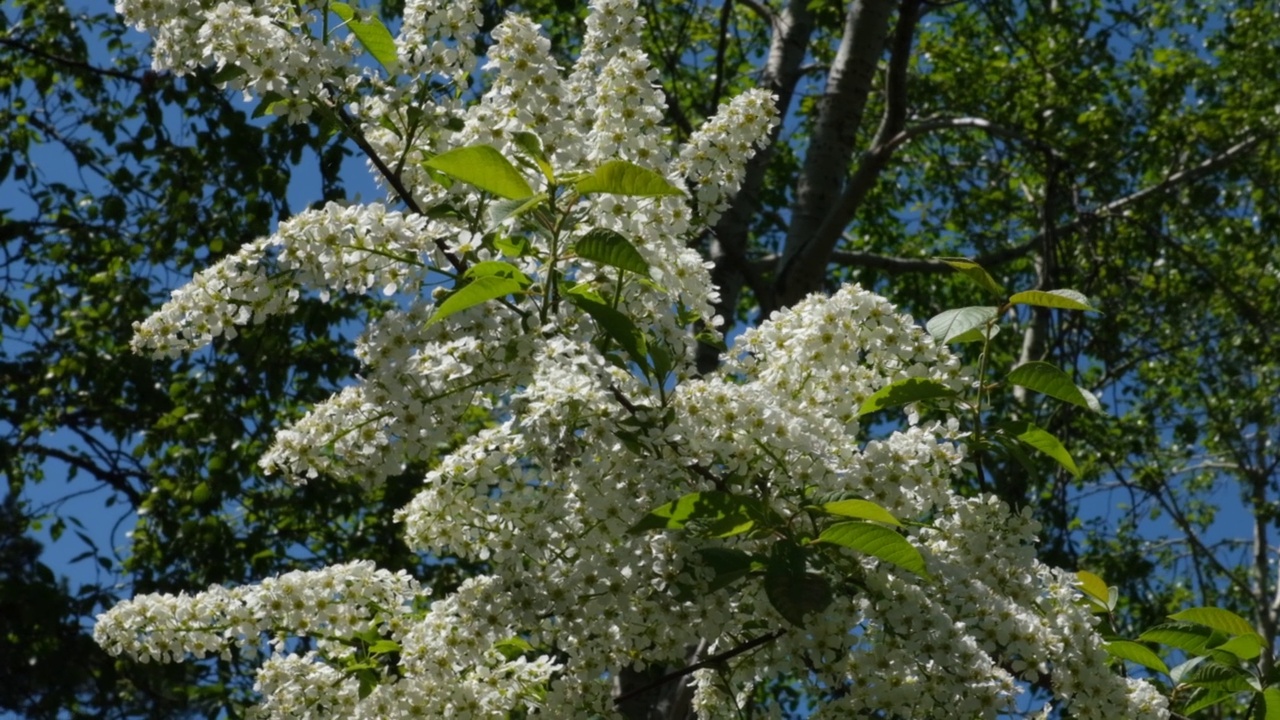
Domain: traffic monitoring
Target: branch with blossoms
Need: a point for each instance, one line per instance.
(625, 507)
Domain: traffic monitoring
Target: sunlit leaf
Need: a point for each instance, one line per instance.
(976, 273)
(1216, 618)
(877, 541)
(1049, 380)
(475, 292)
(619, 177)
(485, 168)
(1137, 653)
(860, 509)
(371, 33)
(949, 325)
(1059, 299)
(709, 514)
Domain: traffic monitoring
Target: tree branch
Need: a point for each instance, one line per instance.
(143, 79)
(839, 118)
(709, 662)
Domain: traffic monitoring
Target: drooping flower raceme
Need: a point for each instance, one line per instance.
(626, 511)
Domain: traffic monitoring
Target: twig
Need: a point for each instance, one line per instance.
(714, 659)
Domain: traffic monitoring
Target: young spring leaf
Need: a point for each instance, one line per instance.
(1190, 638)
(1059, 299)
(878, 542)
(1049, 380)
(484, 167)
(371, 33)
(976, 273)
(951, 325)
(860, 509)
(619, 177)
(607, 247)
(503, 210)
(905, 392)
(1216, 618)
(475, 292)
(1137, 653)
(729, 565)
(1271, 701)
(1094, 588)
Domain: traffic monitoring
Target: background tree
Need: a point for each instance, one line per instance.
(1123, 149)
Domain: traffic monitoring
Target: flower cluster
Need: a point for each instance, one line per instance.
(576, 364)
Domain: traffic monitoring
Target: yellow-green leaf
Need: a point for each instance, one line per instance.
(1059, 299)
(860, 509)
(371, 33)
(877, 541)
(620, 177)
(1138, 653)
(1216, 618)
(484, 167)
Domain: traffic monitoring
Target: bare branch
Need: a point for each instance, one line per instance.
(144, 79)
(709, 662)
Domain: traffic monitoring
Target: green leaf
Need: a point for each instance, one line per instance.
(1202, 698)
(949, 325)
(1243, 647)
(617, 326)
(860, 509)
(610, 248)
(792, 591)
(497, 268)
(1215, 675)
(1094, 587)
(1216, 618)
(709, 514)
(503, 210)
(1271, 700)
(485, 168)
(619, 177)
(905, 392)
(1191, 638)
(1060, 299)
(384, 646)
(1041, 440)
(978, 334)
(1049, 380)
(1137, 653)
(878, 542)
(475, 292)
(371, 33)
(531, 145)
(511, 246)
(974, 272)
(513, 647)
(729, 565)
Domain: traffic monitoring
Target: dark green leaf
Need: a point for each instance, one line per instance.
(905, 392)
(616, 326)
(1049, 380)
(793, 591)
(609, 248)
(1041, 440)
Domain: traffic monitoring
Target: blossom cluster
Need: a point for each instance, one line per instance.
(589, 419)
